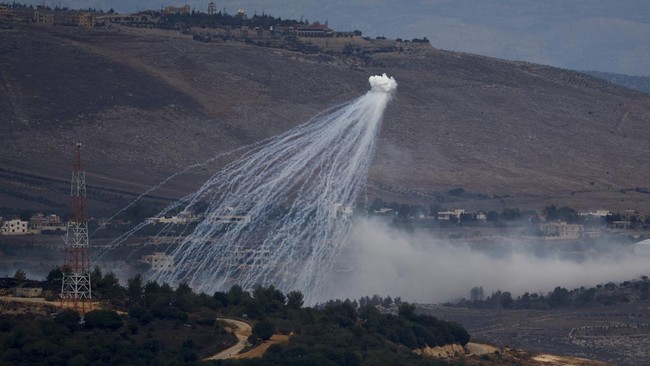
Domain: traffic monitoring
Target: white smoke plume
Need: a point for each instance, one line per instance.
(382, 260)
(275, 216)
(382, 83)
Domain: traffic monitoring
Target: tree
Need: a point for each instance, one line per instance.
(109, 286)
(236, 295)
(560, 297)
(377, 204)
(55, 275)
(492, 216)
(69, 319)
(505, 300)
(134, 288)
(565, 213)
(510, 214)
(263, 330)
(103, 319)
(476, 294)
(295, 300)
(20, 275)
(96, 276)
(406, 310)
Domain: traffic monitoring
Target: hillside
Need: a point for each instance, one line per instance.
(147, 103)
(640, 83)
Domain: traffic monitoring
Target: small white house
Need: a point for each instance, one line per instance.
(451, 215)
(14, 227)
(339, 210)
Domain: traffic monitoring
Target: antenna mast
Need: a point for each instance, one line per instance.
(75, 287)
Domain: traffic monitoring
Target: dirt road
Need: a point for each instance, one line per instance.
(242, 331)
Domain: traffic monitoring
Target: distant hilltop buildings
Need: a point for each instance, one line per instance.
(37, 224)
(211, 25)
(47, 16)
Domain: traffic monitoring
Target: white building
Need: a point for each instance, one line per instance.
(338, 210)
(14, 227)
(40, 222)
(183, 217)
(597, 213)
(560, 230)
(449, 215)
(159, 261)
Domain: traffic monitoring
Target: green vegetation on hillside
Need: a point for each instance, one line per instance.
(149, 322)
(603, 294)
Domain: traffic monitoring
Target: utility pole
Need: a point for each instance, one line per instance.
(75, 287)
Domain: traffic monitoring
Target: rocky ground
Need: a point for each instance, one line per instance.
(617, 334)
(148, 104)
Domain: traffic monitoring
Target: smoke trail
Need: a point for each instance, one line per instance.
(420, 267)
(278, 215)
(165, 181)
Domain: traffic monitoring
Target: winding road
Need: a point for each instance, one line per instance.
(242, 331)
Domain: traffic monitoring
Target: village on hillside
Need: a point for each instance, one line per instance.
(216, 26)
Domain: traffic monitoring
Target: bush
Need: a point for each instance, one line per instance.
(141, 314)
(263, 330)
(69, 319)
(103, 319)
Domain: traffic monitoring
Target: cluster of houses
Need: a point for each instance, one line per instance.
(37, 224)
(149, 18)
(626, 220)
(44, 15)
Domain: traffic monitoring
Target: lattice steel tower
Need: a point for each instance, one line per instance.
(75, 288)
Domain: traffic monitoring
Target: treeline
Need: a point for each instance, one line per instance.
(223, 19)
(600, 295)
(144, 322)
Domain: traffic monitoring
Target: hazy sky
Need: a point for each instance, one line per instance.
(601, 35)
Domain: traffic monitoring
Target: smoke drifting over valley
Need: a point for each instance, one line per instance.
(418, 267)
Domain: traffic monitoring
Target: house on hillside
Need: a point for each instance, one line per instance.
(41, 222)
(339, 210)
(176, 9)
(560, 230)
(10, 286)
(451, 215)
(305, 30)
(6, 13)
(86, 20)
(43, 16)
(159, 261)
(14, 227)
(28, 289)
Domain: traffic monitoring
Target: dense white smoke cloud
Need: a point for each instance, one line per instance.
(382, 83)
(419, 268)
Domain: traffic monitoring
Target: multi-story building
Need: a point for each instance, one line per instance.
(86, 20)
(43, 17)
(6, 13)
(177, 9)
(560, 230)
(14, 227)
(159, 261)
(451, 215)
(40, 222)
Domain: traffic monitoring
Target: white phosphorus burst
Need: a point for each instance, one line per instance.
(266, 218)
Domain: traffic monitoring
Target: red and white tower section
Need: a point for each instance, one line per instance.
(75, 287)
